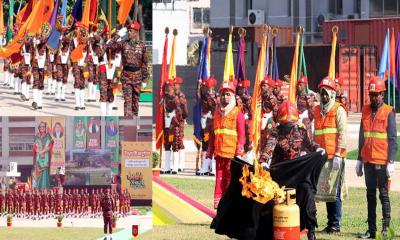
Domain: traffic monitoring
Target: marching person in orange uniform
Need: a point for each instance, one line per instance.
(330, 124)
(377, 146)
(228, 138)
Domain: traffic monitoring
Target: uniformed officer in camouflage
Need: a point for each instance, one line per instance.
(305, 104)
(63, 66)
(340, 94)
(208, 98)
(135, 70)
(178, 147)
(107, 204)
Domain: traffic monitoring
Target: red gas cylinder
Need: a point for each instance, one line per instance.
(287, 218)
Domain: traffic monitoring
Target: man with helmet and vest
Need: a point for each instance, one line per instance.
(340, 95)
(288, 142)
(228, 138)
(377, 146)
(208, 104)
(330, 126)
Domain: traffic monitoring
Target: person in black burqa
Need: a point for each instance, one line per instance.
(298, 165)
(107, 205)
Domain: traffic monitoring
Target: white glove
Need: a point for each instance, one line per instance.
(336, 163)
(359, 166)
(390, 169)
(122, 32)
(321, 150)
(143, 85)
(266, 165)
(302, 153)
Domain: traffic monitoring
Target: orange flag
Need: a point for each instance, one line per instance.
(124, 9)
(293, 74)
(2, 30)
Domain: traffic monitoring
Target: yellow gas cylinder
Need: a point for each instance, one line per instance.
(287, 218)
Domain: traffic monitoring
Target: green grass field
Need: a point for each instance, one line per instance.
(354, 154)
(51, 233)
(353, 221)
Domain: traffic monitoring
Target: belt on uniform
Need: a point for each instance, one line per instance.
(131, 69)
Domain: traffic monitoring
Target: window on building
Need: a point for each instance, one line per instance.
(390, 7)
(21, 142)
(336, 7)
(201, 17)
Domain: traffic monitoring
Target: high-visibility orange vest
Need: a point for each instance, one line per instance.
(375, 148)
(226, 135)
(326, 132)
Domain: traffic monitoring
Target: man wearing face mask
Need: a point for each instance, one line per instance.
(330, 133)
(377, 150)
(227, 139)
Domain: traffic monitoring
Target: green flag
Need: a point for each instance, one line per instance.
(10, 23)
(109, 8)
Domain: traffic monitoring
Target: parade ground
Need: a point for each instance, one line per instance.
(83, 228)
(202, 189)
(11, 105)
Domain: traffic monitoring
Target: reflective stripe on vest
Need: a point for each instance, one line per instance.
(325, 131)
(225, 131)
(375, 135)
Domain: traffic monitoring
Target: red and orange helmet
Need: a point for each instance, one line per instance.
(303, 79)
(328, 83)
(376, 85)
(287, 112)
(228, 86)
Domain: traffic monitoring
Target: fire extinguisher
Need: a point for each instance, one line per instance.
(286, 218)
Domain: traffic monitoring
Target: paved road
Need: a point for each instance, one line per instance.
(11, 105)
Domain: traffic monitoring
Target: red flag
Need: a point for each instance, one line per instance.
(135, 230)
(160, 108)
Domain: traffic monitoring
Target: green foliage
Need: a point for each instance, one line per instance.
(156, 159)
(390, 235)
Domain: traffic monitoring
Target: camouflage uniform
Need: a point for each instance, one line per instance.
(342, 99)
(179, 126)
(107, 204)
(208, 105)
(135, 71)
(269, 116)
(305, 104)
(38, 73)
(287, 143)
(170, 106)
(63, 67)
(243, 100)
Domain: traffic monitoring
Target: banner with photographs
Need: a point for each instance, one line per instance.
(93, 133)
(58, 135)
(112, 141)
(79, 137)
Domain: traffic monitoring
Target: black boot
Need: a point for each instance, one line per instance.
(367, 235)
(385, 226)
(311, 235)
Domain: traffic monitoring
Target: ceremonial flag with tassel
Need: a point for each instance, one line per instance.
(397, 62)
(124, 9)
(203, 74)
(172, 67)
(241, 66)
(160, 106)
(54, 39)
(293, 73)
(302, 71)
(76, 16)
(109, 8)
(228, 69)
(255, 124)
(384, 66)
(331, 72)
(2, 29)
(10, 22)
(274, 66)
(392, 66)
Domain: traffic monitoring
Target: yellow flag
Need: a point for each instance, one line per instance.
(256, 100)
(293, 74)
(228, 69)
(172, 67)
(331, 72)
